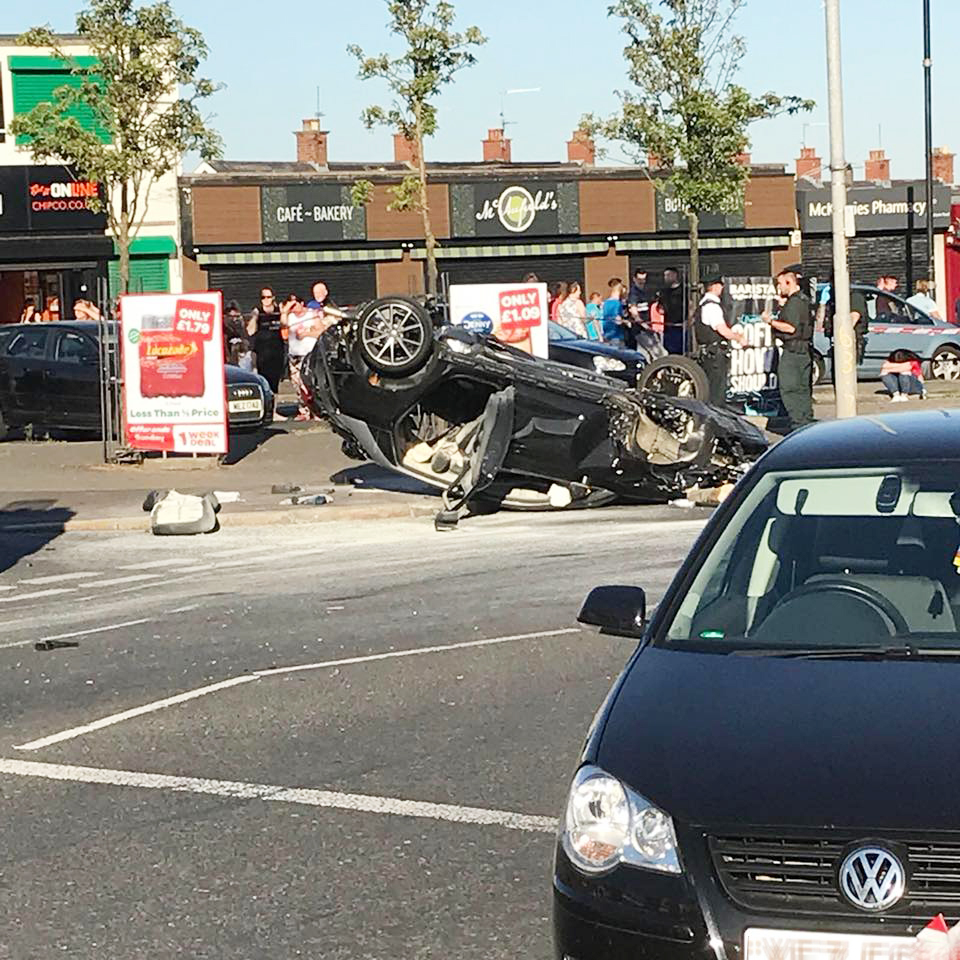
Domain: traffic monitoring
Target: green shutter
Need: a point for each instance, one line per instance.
(35, 80)
(147, 275)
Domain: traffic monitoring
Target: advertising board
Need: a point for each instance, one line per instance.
(174, 391)
(514, 313)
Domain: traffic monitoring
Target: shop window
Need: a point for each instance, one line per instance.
(35, 81)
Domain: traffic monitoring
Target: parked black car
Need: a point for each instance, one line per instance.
(50, 378)
(648, 368)
(774, 773)
(477, 418)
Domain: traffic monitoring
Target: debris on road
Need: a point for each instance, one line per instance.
(310, 500)
(55, 644)
(178, 514)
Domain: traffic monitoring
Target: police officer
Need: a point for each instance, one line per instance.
(794, 326)
(714, 337)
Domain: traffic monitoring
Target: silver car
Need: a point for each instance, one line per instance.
(936, 342)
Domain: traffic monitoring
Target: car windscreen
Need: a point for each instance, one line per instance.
(830, 558)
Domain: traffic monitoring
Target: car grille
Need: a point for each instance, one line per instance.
(766, 873)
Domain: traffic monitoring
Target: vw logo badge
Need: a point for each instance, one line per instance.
(872, 879)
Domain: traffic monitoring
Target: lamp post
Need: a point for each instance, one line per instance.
(928, 123)
(844, 345)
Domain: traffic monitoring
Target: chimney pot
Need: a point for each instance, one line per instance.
(943, 165)
(312, 143)
(581, 149)
(878, 167)
(496, 148)
(809, 165)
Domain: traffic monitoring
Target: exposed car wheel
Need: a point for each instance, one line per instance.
(819, 369)
(395, 336)
(945, 364)
(675, 376)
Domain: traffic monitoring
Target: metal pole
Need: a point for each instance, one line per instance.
(844, 345)
(928, 108)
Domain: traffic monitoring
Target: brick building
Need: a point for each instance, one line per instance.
(287, 224)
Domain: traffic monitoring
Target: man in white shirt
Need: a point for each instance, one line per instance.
(304, 327)
(714, 338)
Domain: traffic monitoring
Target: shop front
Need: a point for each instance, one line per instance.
(53, 247)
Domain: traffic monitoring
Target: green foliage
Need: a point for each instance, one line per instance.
(144, 57)
(432, 53)
(684, 107)
(361, 193)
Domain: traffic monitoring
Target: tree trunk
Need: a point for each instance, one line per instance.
(123, 240)
(693, 281)
(430, 241)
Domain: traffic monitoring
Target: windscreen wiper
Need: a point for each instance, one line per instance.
(903, 651)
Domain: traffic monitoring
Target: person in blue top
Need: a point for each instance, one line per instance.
(595, 317)
(613, 330)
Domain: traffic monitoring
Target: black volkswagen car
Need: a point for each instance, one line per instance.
(775, 774)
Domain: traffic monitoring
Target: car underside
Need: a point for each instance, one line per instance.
(479, 419)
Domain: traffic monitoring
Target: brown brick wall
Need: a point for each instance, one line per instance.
(384, 224)
(617, 206)
(226, 215)
(599, 270)
(400, 276)
(770, 202)
(784, 258)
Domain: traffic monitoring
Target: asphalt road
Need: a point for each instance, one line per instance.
(322, 741)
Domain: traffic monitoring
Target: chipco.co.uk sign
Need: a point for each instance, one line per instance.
(511, 209)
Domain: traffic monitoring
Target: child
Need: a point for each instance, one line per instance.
(902, 375)
(594, 317)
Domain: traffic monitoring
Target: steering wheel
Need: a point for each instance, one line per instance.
(848, 589)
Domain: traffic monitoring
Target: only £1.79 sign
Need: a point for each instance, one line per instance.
(174, 396)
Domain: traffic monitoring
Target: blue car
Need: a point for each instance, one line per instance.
(936, 342)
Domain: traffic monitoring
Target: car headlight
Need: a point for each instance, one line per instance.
(607, 823)
(608, 364)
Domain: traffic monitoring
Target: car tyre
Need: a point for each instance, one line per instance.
(394, 336)
(675, 376)
(819, 369)
(945, 363)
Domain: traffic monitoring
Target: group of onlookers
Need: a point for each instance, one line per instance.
(626, 314)
(82, 310)
(273, 337)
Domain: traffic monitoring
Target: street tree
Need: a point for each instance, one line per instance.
(138, 95)
(433, 52)
(684, 114)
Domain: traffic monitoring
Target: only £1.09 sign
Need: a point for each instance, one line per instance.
(174, 394)
(514, 313)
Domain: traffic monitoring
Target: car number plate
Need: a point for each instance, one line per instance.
(762, 944)
(242, 406)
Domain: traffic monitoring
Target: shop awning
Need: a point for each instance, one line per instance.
(746, 242)
(54, 251)
(511, 250)
(296, 256)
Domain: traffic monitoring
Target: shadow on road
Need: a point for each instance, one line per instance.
(372, 477)
(27, 526)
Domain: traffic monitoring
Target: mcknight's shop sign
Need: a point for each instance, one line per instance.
(532, 208)
(876, 208)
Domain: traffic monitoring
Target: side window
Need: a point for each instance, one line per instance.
(28, 345)
(913, 315)
(75, 348)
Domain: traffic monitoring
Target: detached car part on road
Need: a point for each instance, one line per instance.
(476, 418)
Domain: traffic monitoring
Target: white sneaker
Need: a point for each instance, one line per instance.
(902, 398)
(895, 398)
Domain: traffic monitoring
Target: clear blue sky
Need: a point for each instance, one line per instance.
(271, 58)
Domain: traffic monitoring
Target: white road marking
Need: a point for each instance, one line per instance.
(40, 581)
(150, 565)
(273, 793)
(7, 588)
(37, 594)
(116, 581)
(77, 633)
(153, 707)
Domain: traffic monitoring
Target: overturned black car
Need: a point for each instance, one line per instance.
(480, 419)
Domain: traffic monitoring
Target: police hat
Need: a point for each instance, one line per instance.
(711, 280)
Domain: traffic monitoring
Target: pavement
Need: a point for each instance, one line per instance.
(354, 747)
(65, 485)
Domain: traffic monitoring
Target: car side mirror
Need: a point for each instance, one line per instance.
(619, 610)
